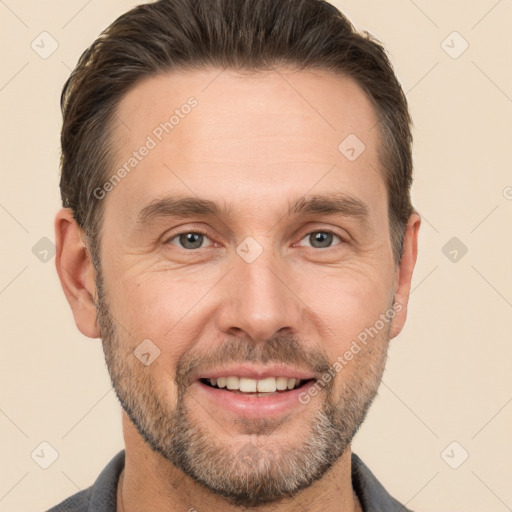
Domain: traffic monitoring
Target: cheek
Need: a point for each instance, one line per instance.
(166, 310)
(155, 303)
(347, 306)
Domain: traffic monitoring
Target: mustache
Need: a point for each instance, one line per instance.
(280, 349)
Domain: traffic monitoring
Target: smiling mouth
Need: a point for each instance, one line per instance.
(255, 387)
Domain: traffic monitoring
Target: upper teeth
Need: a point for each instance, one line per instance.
(266, 385)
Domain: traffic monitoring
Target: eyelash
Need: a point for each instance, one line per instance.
(200, 232)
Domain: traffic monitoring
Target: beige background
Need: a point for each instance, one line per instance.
(448, 377)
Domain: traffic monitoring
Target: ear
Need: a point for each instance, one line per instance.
(76, 272)
(404, 272)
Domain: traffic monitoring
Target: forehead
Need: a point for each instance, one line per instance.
(245, 138)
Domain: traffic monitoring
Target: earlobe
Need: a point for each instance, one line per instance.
(404, 273)
(76, 272)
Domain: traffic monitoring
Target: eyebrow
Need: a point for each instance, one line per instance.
(328, 204)
(178, 207)
(325, 204)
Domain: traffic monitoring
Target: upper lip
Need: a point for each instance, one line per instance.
(256, 372)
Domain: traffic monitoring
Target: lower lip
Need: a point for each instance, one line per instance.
(252, 406)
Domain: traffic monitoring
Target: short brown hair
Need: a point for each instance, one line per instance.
(238, 34)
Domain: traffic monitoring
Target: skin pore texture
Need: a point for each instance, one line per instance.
(253, 145)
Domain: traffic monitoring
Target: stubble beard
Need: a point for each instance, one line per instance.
(261, 471)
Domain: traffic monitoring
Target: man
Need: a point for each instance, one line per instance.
(237, 229)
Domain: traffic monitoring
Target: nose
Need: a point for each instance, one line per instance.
(259, 299)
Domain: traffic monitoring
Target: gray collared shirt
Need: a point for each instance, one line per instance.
(102, 495)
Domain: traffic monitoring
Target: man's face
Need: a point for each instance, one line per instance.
(264, 289)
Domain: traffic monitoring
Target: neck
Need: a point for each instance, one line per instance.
(150, 482)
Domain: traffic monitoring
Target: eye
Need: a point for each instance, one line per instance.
(321, 239)
(188, 240)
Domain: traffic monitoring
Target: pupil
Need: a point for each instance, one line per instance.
(191, 240)
(321, 238)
